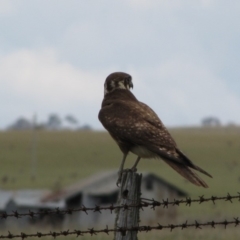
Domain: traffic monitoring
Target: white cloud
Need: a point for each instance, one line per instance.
(39, 74)
(183, 92)
(6, 7)
(146, 4)
(180, 90)
(36, 81)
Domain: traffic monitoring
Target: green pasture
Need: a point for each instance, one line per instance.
(64, 157)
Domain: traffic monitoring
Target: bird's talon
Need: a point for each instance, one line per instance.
(118, 183)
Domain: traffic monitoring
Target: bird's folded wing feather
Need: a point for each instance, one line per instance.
(136, 123)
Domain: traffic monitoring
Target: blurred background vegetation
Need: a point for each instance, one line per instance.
(53, 159)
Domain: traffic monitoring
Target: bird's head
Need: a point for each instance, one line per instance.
(117, 80)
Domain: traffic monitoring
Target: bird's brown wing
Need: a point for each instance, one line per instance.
(165, 145)
(135, 124)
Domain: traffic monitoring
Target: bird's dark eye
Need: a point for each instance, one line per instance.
(127, 80)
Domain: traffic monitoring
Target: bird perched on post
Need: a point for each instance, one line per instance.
(136, 128)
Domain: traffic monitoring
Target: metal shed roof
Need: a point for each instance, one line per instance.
(100, 184)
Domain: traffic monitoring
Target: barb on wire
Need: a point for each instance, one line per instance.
(144, 204)
(145, 228)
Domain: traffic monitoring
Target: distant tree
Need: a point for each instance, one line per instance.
(85, 127)
(71, 120)
(54, 122)
(211, 122)
(40, 126)
(231, 124)
(21, 124)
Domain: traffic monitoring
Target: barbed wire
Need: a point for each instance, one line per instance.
(123, 230)
(143, 204)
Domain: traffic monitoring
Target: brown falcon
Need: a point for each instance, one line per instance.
(136, 128)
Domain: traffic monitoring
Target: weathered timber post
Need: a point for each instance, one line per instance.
(130, 193)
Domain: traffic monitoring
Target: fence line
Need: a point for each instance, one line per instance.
(92, 231)
(143, 204)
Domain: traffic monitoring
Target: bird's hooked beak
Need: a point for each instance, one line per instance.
(131, 85)
(128, 83)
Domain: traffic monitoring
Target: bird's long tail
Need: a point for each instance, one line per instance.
(190, 164)
(186, 172)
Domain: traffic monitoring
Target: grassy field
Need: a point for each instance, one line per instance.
(63, 158)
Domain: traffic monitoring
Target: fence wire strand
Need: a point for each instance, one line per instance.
(92, 231)
(143, 204)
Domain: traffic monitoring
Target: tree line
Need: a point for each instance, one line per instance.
(53, 122)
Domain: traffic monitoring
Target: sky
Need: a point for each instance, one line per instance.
(183, 57)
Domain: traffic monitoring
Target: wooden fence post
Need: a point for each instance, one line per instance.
(130, 193)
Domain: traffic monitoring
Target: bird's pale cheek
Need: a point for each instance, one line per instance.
(122, 85)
